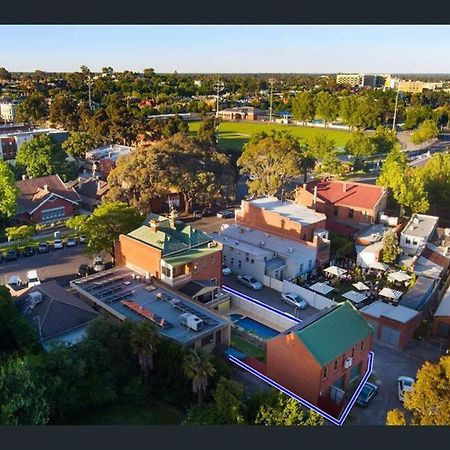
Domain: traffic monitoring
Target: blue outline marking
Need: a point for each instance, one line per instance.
(340, 421)
(257, 302)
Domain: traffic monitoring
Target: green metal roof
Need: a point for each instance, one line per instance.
(331, 335)
(189, 255)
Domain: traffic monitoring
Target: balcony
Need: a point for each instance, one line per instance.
(181, 279)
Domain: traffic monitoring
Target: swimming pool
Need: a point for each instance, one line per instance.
(253, 326)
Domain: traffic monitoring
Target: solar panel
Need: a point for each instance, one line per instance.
(160, 321)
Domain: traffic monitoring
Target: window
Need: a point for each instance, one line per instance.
(224, 258)
(336, 365)
(204, 262)
(362, 345)
(304, 237)
(207, 340)
(301, 267)
(350, 213)
(408, 241)
(252, 261)
(414, 242)
(325, 373)
(213, 258)
(247, 257)
(166, 271)
(232, 261)
(310, 263)
(213, 280)
(51, 214)
(335, 210)
(239, 264)
(353, 352)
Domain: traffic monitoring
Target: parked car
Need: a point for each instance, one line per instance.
(11, 255)
(197, 214)
(226, 270)
(84, 270)
(99, 264)
(83, 239)
(15, 282)
(404, 384)
(294, 300)
(251, 282)
(225, 214)
(58, 244)
(43, 247)
(28, 251)
(32, 278)
(368, 391)
(208, 212)
(71, 242)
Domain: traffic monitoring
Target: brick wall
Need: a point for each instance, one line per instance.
(208, 267)
(36, 217)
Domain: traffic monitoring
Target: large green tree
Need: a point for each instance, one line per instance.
(360, 144)
(199, 369)
(107, 223)
(144, 340)
(327, 106)
(8, 191)
(78, 143)
(429, 401)
(33, 109)
(390, 249)
(40, 157)
(427, 130)
(64, 112)
(303, 107)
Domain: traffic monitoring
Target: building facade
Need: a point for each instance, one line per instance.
(417, 233)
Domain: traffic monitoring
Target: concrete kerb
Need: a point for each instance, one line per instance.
(339, 421)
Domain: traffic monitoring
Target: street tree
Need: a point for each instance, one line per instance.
(390, 247)
(8, 191)
(427, 130)
(107, 223)
(321, 145)
(207, 132)
(20, 234)
(76, 222)
(413, 194)
(64, 112)
(384, 139)
(327, 106)
(331, 164)
(303, 107)
(360, 145)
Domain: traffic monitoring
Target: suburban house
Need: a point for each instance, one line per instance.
(441, 320)
(277, 240)
(103, 159)
(171, 251)
(318, 360)
(45, 199)
(91, 191)
(243, 113)
(56, 314)
(417, 233)
(392, 324)
(124, 293)
(343, 201)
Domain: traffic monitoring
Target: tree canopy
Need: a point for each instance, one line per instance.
(390, 249)
(8, 191)
(427, 130)
(78, 143)
(33, 109)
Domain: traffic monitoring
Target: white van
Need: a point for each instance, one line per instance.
(32, 278)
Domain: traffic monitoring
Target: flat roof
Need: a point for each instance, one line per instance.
(291, 250)
(293, 211)
(420, 225)
(444, 306)
(417, 297)
(399, 313)
(110, 288)
(247, 248)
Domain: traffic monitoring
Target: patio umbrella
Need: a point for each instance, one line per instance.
(361, 286)
(379, 266)
(390, 293)
(399, 276)
(336, 271)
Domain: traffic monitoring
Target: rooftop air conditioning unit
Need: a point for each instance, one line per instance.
(191, 321)
(290, 250)
(416, 220)
(212, 244)
(348, 363)
(34, 298)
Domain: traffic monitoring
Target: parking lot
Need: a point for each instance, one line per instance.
(60, 265)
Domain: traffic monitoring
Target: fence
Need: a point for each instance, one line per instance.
(313, 298)
(273, 283)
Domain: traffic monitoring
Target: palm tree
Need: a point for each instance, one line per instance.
(198, 367)
(144, 339)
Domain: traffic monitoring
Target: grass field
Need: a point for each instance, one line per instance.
(235, 134)
(122, 414)
(245, 347)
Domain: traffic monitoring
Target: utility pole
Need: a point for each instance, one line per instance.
(271, 82)
(395, 110)
(219, 87)
(89, 83)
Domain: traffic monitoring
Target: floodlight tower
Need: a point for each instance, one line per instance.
(219, 87)
(271, 82)
(89, 84)
(395, 109)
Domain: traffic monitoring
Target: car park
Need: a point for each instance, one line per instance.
(12, 255)
(225, 214)
(294, 300)
(71, 242)
(368, 391)
(58, 244)
(28, 251)
(43, 247)
(32, 278)
(251, 282)
(226, 270)
(404, 384)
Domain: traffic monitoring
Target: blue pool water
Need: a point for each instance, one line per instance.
(253, 326)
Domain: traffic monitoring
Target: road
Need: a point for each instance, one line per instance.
(60, 265)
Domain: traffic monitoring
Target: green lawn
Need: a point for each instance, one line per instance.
(235, 134)
(122, 414)
(245, 347)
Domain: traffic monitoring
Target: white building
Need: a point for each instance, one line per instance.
(8, 110)
(367, 255)
(112, 152)
(417, 232)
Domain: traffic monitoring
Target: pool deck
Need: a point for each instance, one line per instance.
(256, 318)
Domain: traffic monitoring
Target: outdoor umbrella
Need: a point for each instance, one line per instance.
(361, 286)
(334, 270)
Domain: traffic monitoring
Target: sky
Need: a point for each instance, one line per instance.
(227, 48)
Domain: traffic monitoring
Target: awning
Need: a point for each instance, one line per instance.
(355, 297)
(399, 276)
(336, 271)
(361, 286)
(321, 288)
(390, 293)
(379, 266)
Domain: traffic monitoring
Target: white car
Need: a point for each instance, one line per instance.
(71, 242)
(249, 281)
(15, 281)
(226, 270)
(404, 384)
(58, 244)
(99, 264)
(294, 300)
(32, 278)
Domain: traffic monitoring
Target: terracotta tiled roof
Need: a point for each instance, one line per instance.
(346, 193)
(33, 193)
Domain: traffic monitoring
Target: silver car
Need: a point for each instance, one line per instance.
(251, 282)
(294, 300)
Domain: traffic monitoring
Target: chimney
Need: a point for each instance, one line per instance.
(46, 187)
(154, 224)
(24, 177)
(315, 197)
(344, 186)
(173, 216)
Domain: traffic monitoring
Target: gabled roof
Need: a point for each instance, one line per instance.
(334, 333)
(347, 193)
(59, 311)
(35, 191)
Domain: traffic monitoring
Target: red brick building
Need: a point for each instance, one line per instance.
(343, 201)
(171, 251)
(45, 200)
(319, 360)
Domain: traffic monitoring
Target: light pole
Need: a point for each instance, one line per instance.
(395, 109)
(89, 83)
(219, 87)
(271, 82)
